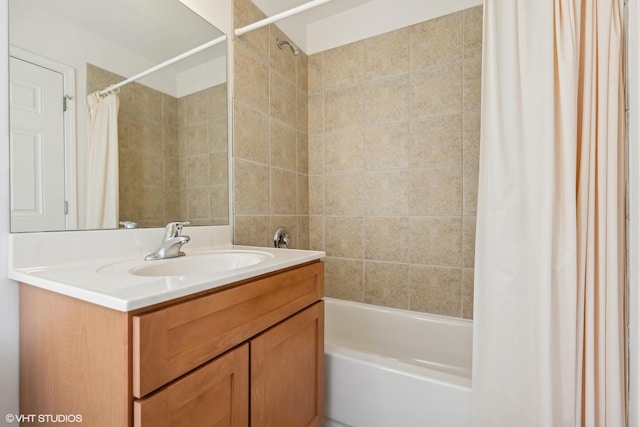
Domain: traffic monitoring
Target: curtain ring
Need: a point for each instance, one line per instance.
(111, 89)
(108, 91)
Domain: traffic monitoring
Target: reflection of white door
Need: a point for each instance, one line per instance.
(36, 147)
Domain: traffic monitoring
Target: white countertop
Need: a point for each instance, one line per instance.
(106, 280)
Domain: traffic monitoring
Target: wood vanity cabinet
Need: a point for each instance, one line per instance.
(249, 354)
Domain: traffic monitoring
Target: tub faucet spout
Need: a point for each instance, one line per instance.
(171, 243)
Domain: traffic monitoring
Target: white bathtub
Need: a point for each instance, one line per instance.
(395, 368)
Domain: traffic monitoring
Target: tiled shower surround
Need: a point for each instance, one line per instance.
(167, 143)
(269, 135)
(368, 151)
(393, 162)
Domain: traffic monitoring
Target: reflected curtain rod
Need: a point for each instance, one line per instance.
(238, 32)
(163, 65)
(279, 16)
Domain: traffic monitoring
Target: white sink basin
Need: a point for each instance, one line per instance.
(195, 264)
(207, 263)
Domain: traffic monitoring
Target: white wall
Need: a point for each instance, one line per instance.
(9, 390)
(190, 81)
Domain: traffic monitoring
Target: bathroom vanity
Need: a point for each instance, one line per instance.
(245, 352)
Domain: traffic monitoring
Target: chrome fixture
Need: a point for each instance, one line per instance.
(281, 238)
(293, 47)
(129, 224)
(171, 243)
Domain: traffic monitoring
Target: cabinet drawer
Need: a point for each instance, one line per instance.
(215, 394)
(174, 340)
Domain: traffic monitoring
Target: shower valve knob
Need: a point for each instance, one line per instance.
(281, 238)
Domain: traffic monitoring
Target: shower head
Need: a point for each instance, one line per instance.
(293, 47)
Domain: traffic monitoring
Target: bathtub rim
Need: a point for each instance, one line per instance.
(393, 364)
(438, 318)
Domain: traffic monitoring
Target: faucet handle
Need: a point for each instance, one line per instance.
(173, 229)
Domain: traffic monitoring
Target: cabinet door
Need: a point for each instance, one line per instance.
(214, 395)
(287, 372)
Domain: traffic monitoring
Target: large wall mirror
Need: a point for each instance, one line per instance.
(171, 126)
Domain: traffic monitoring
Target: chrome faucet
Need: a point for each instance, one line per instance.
(171, 243)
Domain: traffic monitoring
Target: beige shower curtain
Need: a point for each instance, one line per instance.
(549, 282)
(102, 155)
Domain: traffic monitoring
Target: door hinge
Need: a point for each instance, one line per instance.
(66, 207)
(64, 102)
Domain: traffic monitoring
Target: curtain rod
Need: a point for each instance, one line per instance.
(163, 65)
(279, 16)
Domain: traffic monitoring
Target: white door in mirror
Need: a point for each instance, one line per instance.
(36, 147)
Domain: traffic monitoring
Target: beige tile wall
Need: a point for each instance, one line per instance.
(393, 162)
(167, 144)
(202, 157)
(271, 185)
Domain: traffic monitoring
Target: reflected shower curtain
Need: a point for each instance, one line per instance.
(549, 277)
(102, 154)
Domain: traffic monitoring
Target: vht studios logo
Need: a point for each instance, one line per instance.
(43, 418)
